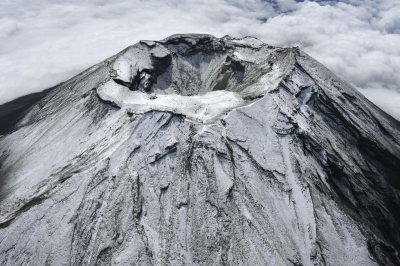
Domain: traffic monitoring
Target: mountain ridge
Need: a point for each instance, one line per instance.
(131, 162)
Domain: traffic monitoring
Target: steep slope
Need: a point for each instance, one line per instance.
(196, 150)
(12, 111)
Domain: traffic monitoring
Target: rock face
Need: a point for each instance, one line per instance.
(196, 150)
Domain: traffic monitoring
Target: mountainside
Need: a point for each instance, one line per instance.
(196, 150)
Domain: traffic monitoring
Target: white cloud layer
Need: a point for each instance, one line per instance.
(45, 42)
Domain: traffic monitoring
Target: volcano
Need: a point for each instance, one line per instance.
(197, 150)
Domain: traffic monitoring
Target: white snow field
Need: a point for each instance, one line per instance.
(196, 150)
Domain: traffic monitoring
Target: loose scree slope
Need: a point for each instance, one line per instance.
(197, 150)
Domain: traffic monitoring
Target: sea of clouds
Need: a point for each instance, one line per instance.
(45, 42)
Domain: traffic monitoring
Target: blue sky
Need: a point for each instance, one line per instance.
(44, 42)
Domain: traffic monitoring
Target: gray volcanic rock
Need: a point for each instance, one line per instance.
(196, 150)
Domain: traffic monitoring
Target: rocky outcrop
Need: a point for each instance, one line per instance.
(196, 150)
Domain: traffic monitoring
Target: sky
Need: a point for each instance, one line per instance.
(45, 42)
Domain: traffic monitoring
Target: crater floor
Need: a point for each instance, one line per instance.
(200, 77)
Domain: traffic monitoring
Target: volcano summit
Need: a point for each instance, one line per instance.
(197, 150)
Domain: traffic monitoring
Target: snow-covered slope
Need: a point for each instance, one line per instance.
(196, 150)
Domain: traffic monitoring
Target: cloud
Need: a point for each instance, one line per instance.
(45, 42)
(380, 97)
